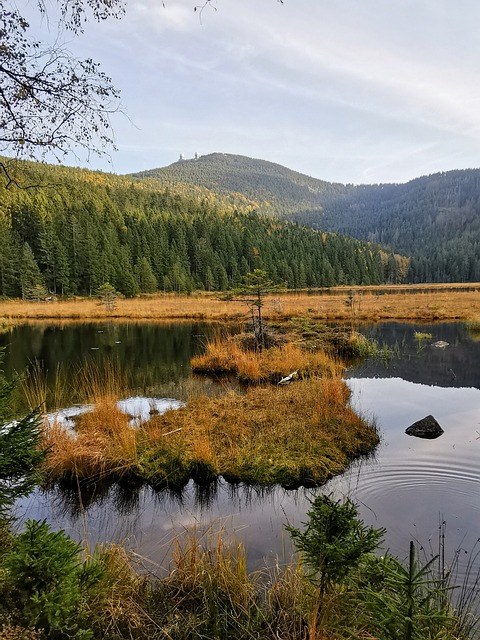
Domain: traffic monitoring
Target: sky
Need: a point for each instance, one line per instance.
(351, 91)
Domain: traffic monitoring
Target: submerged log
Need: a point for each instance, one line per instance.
(427, 427)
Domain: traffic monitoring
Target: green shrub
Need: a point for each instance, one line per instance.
(405, 602)
(45, 582)
(333, 543)
(20, 456)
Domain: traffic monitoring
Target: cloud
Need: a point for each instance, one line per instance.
(360, 91)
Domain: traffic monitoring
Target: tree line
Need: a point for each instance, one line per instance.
(89, 228)
(434, 219)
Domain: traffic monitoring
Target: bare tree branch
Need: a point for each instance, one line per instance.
(50, 101)
(10, 180)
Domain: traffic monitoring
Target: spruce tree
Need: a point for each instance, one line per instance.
(20, 455)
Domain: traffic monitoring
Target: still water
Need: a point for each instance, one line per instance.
(408, 486)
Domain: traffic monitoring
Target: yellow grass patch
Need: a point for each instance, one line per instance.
(104, 443)
(228, 357)
(389, 302)
(299, 434)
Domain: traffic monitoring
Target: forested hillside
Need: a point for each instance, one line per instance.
(272, 187)
(434, 219)
(82, 229)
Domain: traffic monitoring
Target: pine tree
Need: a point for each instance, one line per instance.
(147, 282)
(20, 455)
(29, 272)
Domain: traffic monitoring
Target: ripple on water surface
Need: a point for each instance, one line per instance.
(408, 486)
(413, 482)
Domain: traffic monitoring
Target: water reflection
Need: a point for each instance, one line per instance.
(414, 484)
(456, 365)
(408, 486)
(154, 359)
(148, 522)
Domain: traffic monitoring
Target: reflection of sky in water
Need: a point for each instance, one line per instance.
(414, 481)
(407, 487)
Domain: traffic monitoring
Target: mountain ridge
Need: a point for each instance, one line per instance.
(434, 218)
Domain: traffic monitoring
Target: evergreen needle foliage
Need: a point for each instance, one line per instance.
(254, 288)
(45, 579)
(334, 541)
(141, 237)
(19, 452)
(406, 602)
(333, 544)
(47, 591)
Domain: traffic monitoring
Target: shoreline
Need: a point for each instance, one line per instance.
(389, 302)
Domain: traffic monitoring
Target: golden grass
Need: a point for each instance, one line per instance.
(473, 328)
(405, 302)
(228, 357)
(120, 595)
(94, 381)
(34, 387)
(91, 381)
(203, 563)
(209, 590)
(300, 434)
(104, 444)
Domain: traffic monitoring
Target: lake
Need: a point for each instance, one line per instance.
(409, 486)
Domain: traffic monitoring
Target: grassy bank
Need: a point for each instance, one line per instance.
(300, 434)
(415, 302)
(50, 591)
(226, 356)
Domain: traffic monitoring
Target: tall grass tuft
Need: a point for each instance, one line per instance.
(92, 381)
(118, 602)
(98, 380)
(104, 444)
(228, 357)
(290, 600)
(473, 328)
(208, 591)
(34, 386)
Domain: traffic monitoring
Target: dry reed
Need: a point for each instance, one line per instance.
(104, 444)
(228, 357)
(91, 381)
(389, 302)
(120, 597)
(95, 381)
(41, 393)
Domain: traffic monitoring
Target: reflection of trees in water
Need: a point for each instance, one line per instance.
(125, 498)
(156, 357)
(455, 365)
(153, 357)
(118, 498)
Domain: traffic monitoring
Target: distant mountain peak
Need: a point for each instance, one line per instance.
(435, 219)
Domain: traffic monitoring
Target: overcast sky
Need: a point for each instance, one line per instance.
(353, 91)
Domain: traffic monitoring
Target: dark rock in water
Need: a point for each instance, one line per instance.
(427, 427)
